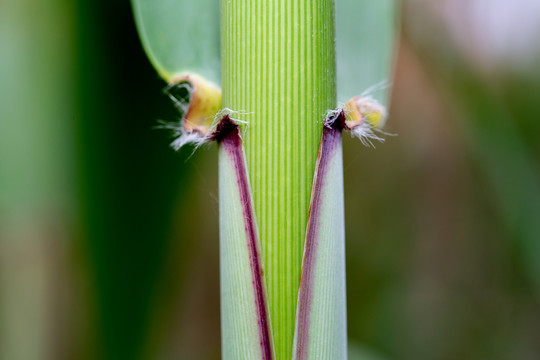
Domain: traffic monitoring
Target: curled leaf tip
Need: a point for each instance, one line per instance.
(205, 101)
(362, 117)
(198, 100)
(364, 110)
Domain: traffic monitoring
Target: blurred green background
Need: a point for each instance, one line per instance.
(108, 239)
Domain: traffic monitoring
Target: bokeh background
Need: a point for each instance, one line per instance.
(109, 239)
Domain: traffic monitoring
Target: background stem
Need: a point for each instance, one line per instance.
(278, 66)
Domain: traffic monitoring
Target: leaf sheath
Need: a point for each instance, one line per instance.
(245, 321)
(321, 327)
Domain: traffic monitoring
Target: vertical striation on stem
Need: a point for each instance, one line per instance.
(278, 66)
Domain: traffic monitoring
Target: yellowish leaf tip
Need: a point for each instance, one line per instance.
(364, 110)
(204, 104)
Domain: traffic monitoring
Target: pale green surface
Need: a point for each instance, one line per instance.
(278, 66)
(365, 40)
(239, 331)
(328, 317)
(180, 36)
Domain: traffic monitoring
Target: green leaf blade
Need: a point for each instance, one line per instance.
(180, 36)
(365, 41)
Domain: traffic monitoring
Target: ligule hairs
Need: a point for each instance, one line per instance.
(195, 137)
(364, 131)
(368, 133)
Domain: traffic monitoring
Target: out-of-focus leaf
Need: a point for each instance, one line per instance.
(180, 36)
(35, 175)
(509, 165)
(365, 34)
(359, 352)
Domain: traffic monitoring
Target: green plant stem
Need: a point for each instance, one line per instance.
(278, 66)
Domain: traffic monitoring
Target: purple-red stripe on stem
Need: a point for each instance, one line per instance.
(330, 140)
(227, 134)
